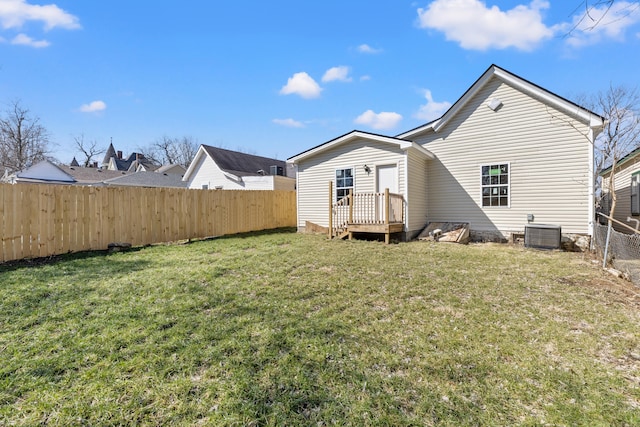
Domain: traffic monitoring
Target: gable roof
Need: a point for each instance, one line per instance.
(356, 134)
(45, 171)
(235, 163)
(594, 120)
(131, 163)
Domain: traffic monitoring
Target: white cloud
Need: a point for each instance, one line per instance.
(365, 78)
(301, 84)
(478, 27)
(340, 74)
(381, 121)
(93, 107)
(602, 23)
(365, 48)
(25, 40)
(431, 110)
(290, 123)
(14, 13)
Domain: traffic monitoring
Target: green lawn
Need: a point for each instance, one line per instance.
(289, 329)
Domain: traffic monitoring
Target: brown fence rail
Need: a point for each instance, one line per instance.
(44, 220)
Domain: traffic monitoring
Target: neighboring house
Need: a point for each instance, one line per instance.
(93, 176)
(627, 188)
(148, 179)
(47, 172)
(217, 168)
(506, 151)
(44, 172)
(136, 162)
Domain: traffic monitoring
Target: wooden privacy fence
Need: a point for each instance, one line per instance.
(44, 220)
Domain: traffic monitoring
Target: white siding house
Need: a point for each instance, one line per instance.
(42, 172)
(506, 150)
(374, 162)
(217, 168)
(627, 188)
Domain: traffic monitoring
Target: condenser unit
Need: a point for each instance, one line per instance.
(542, 236)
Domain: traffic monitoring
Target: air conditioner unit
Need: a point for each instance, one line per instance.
(276, 170)
(542, 236)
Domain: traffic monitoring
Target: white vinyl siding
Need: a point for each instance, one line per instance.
(417, 188)
(549, 162)
(315, 173)
(623, 188)
(207, 173)
(635, 194)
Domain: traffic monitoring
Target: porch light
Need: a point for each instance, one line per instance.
(367, 169)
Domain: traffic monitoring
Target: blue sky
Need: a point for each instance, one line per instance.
(276, 78)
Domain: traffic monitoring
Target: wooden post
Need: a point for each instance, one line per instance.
(387, 236)
(386, 206)
(351, 206)
(330, 210)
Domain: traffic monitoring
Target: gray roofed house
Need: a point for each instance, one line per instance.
(113, 160)
(111, 152)
(47, 172)
(218, 168)
(148, 179)
(90, 176)
(44, 172)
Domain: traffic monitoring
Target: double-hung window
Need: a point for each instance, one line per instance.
(495, 185)
(635, 193)
(344, 183)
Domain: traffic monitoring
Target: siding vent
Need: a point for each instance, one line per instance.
(494, 104)
(542, 236)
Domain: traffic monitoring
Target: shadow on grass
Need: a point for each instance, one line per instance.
(282, 230)
(57, 259)
(75, 256)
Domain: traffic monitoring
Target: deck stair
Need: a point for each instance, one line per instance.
(378, 213)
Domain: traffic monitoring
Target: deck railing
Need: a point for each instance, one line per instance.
(367, 208)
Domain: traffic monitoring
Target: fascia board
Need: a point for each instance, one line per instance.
(593, 120)
(192, 166)
(404, 145)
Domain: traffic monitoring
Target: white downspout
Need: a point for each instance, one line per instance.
(592, 196)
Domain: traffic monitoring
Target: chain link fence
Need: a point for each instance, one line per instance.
(623, 252)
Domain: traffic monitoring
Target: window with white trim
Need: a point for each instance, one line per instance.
(495, 185)
(635, 193)
(344, 183)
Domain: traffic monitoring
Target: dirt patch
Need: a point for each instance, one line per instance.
(613, 289)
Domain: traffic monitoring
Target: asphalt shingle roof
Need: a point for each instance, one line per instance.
(242, 164)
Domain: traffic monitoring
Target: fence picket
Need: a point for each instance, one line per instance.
(45, 220)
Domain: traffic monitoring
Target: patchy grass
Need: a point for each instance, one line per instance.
(287, 329)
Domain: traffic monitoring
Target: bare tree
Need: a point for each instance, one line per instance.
(89, 149)
(594, 13)
(167, 150)
(621, 107)
(23, 140)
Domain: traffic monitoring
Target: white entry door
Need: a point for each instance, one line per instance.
(386, 177)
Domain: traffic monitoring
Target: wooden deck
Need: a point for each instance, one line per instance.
(374, 213)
